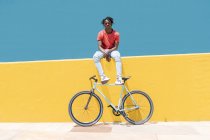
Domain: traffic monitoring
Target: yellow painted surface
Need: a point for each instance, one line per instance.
(40, 91)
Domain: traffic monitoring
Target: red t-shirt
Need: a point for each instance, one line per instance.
(108, 40)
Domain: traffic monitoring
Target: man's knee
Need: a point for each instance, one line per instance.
(116, 56)
(96, 58)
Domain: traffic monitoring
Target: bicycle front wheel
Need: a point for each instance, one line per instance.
(137, 107)
(85, 108)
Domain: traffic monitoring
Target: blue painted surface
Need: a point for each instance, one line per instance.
(67, 29)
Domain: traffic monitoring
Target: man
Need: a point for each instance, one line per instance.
(108, 41)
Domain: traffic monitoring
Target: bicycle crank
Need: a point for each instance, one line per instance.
(116, 113)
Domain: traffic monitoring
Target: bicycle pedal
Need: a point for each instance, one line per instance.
(110, 106)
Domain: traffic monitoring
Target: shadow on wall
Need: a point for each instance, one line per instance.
(113, 93)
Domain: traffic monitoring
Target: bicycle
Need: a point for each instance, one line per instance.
(86, 108)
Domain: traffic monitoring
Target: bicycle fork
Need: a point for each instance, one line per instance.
(91, 94)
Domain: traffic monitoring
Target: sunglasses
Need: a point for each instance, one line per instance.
(107, 23)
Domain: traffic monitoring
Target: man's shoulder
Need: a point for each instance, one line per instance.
(116, 33)
(101, 31)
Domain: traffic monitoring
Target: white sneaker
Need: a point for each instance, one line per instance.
(104, 79)
(119, 81)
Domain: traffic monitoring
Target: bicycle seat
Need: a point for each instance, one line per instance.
(126, 78)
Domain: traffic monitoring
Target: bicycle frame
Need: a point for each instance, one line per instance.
(118, 108)
(87, 104)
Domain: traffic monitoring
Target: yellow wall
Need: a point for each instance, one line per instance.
(179, 86)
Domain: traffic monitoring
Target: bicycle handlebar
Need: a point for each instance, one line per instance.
(96, 80)
(93, 78)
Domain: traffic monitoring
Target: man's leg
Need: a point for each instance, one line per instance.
(97, 57)
(116, 56)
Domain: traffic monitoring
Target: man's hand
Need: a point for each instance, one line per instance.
(107, 55)
(107, 51)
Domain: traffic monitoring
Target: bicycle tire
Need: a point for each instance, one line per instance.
(95, 104)
(137, 116)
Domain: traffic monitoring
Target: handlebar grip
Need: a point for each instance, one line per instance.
(94, 78)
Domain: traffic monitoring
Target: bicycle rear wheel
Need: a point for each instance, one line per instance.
(83, 114)
(137, 114)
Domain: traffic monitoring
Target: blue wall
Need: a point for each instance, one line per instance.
(67, 29)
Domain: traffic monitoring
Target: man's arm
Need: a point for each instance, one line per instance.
(116, 44)
(100, 47)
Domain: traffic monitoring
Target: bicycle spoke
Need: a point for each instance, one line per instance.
(85, 116)
(142, 113)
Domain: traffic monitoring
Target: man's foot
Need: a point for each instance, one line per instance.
(119, 81)
(104, 79)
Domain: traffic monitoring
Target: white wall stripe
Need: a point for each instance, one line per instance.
(86, 59)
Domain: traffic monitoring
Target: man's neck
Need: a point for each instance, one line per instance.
(109, 30)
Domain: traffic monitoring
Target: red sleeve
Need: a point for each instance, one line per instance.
(117, 37)
(100, 36)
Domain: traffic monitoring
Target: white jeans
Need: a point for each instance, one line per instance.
(115, 55)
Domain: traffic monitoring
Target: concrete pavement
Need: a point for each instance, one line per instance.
(104, 131)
